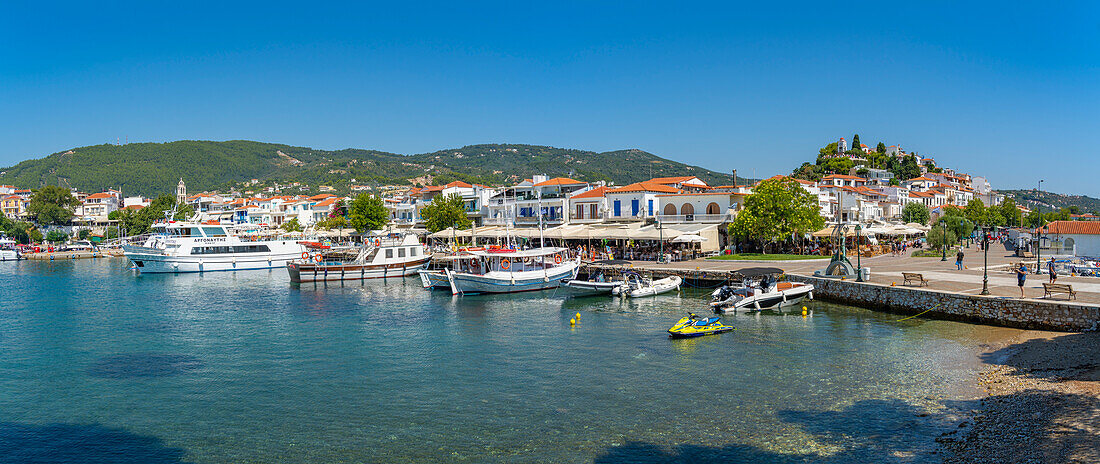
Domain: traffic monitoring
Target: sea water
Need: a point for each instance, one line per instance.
(99, 364)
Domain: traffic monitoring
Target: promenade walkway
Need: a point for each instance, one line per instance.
(942, 275)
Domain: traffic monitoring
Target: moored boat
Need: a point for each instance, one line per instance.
(635, 285)
(378, 258)
(206, 247)
(510, 271)
(595, 285)
(8, 251)
(758, 292)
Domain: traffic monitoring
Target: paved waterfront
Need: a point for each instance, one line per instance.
(942, 275)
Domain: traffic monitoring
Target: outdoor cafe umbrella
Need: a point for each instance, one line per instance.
(689, 238)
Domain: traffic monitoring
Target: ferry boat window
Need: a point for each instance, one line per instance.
(400, 252)
(412, 251)
(214, 231)
(389, 253)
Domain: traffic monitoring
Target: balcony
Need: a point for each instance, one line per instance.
(587, 218)
(535, 220)
(695, 218)
(626, 217)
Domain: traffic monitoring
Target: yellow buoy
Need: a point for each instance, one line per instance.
(572, 322)
(893, 284)
(578, 317)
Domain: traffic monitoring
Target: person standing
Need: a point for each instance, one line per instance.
(1051, 270)
(959, 259)
(1021, 277)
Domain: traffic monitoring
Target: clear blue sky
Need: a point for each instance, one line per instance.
(1009, 90)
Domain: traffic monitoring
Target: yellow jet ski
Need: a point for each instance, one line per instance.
(694, 326)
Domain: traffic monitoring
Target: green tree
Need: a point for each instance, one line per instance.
(881, 148)
(915, 212)
(939, 240)
(855, 143)
(367, 212)
(777, 210)
(827, 151)
(15, 230)
(975, 211)
(292, 225)
(56, 236)
(52, 205)
(444, 212)
(330, 223)
(908, 168)
(83, 234)
(1012, 215)
(34, 235)
(994, 217)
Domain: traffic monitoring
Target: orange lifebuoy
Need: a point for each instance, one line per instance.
(318, 258)
(377, 242)
(557, 259)
(305, 255)
(505, 264)
(255, 238)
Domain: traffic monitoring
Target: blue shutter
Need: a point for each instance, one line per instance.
(633, 207)
(618, 208)
(651, 207)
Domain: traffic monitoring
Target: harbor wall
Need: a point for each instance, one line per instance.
(1010, 312)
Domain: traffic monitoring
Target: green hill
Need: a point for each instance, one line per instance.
(1032, 198)
(152, 168)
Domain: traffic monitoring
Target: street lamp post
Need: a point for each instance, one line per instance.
(943, 241)
(1039, 232)
(859, 264)
(661, 232)
(985, 263)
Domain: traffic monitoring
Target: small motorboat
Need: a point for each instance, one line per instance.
(758, 295)
(635, 286)
(595, 285)
(693, 326)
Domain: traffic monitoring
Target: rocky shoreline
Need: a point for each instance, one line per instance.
(1042, 403)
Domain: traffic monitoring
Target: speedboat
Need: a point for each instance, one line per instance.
(636, 286)
(693, 326)
(758, 295)
(595, 285)
(205, 247)
(506, 270)
(378, 258)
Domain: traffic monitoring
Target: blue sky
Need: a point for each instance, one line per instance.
(1010, 90)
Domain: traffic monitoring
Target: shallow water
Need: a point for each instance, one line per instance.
(100, 365)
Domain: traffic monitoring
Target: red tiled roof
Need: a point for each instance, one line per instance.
(671, 180)
(597, 192)
(321, 196)
(645, 186)
(458, 184)
(1073, 227)
(96, 196)
(134, 207)
(558, 181)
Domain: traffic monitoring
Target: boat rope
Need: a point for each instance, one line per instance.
(922, 312)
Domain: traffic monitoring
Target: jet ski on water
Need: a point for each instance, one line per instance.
(694, 326)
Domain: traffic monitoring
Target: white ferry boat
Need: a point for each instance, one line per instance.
(509, 271)
(8, 252)
(379, 257)
(196, 247)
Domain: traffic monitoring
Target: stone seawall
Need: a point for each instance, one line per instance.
(1010, 312)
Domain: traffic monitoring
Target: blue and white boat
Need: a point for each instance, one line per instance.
(510, 271)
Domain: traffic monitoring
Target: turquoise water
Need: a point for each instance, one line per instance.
(100, 365)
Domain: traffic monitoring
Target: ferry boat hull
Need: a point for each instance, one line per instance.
(335, 272)
(154, 263)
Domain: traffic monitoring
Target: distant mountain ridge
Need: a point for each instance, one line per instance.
(1032, 198)
(153, 168)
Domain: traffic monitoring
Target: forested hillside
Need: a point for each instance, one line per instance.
(152, 168)
(1032, 198)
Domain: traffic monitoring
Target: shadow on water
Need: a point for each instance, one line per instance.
(72, 443)
(139, 365)
(866, 431)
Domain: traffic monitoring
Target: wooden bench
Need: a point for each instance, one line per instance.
(1050, 289)
(914, 277)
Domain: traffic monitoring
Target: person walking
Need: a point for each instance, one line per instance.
(1052, 271)
(1021, 277)
(959, 259)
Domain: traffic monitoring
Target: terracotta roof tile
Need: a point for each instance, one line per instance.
(597, 192)
(558, 181)
(1073, 227)
(645, 186)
